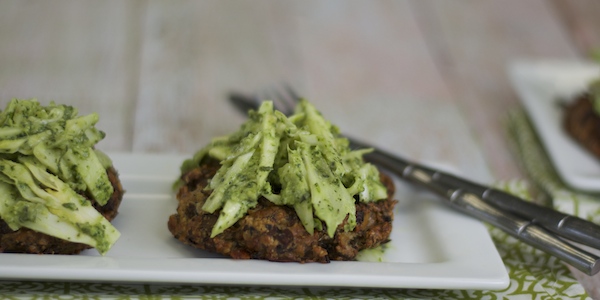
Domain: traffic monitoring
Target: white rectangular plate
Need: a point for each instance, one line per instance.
(432, 246)
(541, 85)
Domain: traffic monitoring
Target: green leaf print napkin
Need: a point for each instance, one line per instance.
(551, 191)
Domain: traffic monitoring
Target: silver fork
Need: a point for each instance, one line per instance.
(536, 225)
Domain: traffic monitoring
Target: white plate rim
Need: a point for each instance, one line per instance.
(471, 260)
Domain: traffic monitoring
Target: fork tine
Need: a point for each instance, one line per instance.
(292, 93)
(289, 96)
(279, 100)
(244, 102)
(268, 95)
(282, 102)
(284, 99)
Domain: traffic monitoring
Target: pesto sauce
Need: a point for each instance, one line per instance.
(376, 254)
(70, 206)
(97, 232)
(25, 212)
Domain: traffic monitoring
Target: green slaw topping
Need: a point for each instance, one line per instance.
(300, 161)
(47, 156)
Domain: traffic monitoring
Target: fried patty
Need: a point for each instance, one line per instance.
(583, 123)
(25, 240)
(275, 232)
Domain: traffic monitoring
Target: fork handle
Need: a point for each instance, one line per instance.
(515, 216)
(525, 230)
(568, 226)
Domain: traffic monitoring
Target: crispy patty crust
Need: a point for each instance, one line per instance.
(275, 232)
(26, 240)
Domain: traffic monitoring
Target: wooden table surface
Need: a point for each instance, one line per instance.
(425, 79)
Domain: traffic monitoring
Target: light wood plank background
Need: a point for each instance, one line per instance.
(425, 79)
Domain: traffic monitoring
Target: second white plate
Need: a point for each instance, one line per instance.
(541, 85)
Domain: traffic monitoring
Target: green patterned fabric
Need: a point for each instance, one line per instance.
(537, 164)
(533, 273)
(524, 285)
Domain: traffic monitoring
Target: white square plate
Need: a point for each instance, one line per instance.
(542, 85)
(432, 246)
